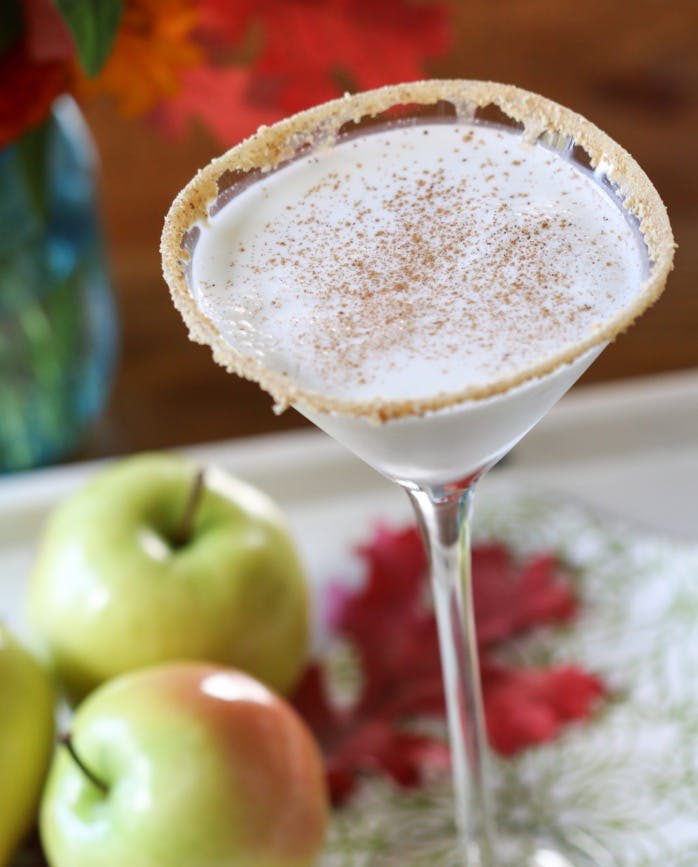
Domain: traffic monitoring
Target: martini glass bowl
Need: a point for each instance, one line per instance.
(438, 446)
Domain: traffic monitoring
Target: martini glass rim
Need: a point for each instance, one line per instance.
(539, 118)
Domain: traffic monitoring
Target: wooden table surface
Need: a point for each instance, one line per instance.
(629, 65)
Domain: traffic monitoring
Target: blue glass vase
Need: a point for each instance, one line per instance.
(58, 326)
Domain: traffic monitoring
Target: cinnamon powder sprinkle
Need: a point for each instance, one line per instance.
(422, 268)
(242, 342)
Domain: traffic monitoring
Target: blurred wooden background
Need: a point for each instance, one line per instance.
(629, 65)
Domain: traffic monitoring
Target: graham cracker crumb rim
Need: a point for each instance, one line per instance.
(318, 126)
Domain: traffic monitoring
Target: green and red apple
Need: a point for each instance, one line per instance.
(26, 740)
(185, 765)
(143, 566)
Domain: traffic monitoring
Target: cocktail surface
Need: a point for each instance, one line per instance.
(416, 260)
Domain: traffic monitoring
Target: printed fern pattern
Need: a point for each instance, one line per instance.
(622, 789)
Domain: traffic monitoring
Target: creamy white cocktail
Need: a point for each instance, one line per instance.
(416, 260)
(423, 283)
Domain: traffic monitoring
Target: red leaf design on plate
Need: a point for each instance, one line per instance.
(510, 598)
(391, 627)
(530, 706)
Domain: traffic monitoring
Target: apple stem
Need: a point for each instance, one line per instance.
(183, 532)
(67, 741)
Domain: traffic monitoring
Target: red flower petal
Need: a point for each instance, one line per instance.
(224, 24)
(28, 91)
(307, 52)
(34, 71)
(47, 37)
(217, 96)
(315, 54)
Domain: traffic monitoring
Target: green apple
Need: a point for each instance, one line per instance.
(185, 765)
(26, 740)
(132, 572)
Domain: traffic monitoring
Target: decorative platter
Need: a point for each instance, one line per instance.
(622, 787)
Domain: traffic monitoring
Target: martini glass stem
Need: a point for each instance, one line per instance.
(444, 518)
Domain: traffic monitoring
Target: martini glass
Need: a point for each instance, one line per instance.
(436, 446)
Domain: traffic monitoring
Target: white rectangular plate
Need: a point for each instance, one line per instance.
(630, 780)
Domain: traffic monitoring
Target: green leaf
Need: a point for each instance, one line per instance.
(93, 24)
(32, 161)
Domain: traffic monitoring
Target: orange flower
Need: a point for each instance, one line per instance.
(155, 43)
